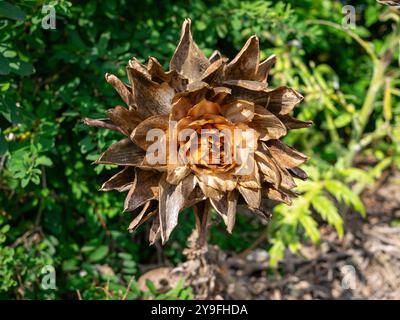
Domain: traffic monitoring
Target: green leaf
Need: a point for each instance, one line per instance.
(376, 171)
(22, 68)
(5, 228)
(103, 42)
(99, 254)
(9, 110)
(342, 120)
(129, 263)
(150, 285)
(4, 66)
(10, 11)
(43, 160)
(310, 226)
(129, 270)
(200, 25)
(328, 212)
(70, 265)
(25, 182)
(35, 179)
(276, 252)
(5, 86)
(342, 193)
(356, 175)
(335, 188)
(357, 204)
(125, 256)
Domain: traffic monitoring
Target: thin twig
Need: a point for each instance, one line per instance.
(128, 288)
(78, 293)
(101, 124)
(262, 237)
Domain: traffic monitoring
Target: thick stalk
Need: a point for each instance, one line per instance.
(368, 106)
(202, 269)
(202, 215)
(376, 83)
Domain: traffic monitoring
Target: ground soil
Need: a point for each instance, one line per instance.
(365, 264)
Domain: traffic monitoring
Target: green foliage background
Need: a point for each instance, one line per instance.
(51, 212)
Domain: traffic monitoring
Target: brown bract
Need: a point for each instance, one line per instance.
(200, 93)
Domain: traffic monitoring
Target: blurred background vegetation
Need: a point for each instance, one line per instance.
(51, 212)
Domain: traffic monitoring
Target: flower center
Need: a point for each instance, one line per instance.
(206, 139)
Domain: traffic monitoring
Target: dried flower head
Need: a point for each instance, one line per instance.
(207, 129)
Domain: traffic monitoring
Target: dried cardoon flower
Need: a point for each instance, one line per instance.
(200, 95)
